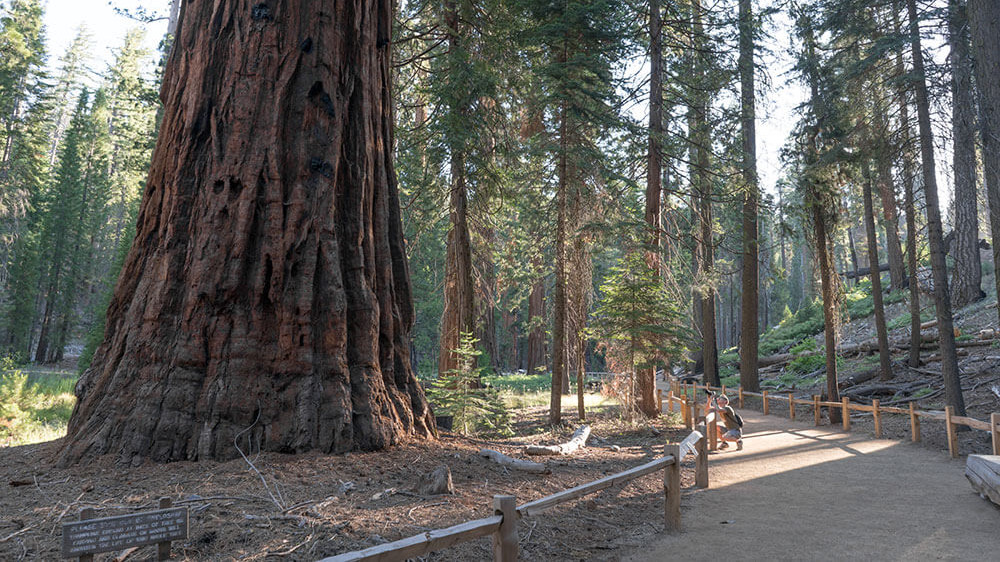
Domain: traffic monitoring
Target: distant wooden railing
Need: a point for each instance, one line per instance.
(503, 524)
(685, 395)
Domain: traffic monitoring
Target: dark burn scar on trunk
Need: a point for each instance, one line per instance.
(261, 12)
(321, 167)
(318, 95)
(306, 45)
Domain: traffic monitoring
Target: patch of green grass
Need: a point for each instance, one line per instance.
(895, 296)
(520, 383)
(904, 319)
(807, 364)
(808, 344)
(923, 392)
(858, 301)
(793, 328)
(35, 407)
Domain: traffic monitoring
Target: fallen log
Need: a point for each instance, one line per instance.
(578, 440)
(863, 271)
(517, 464)
(983, 472)
(859, 378)
(882, 388)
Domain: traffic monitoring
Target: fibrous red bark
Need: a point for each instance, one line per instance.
(266, 295)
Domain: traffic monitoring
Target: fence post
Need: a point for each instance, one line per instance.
(791, 406)
(163, 548)
(724, 391)
(741, 397)
(816, 412)
(764, 393)
(914, 424)
(713, 433)
(878, 418)
(505, 538)
(846, 413)
(950, 427)
(672, 489)
(85, 514)
(701, 461)
(659, 400)
(995, 430)
(686, 412)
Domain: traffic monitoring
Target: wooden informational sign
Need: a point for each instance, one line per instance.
(90, 536)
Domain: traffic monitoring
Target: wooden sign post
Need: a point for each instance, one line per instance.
(90, 536)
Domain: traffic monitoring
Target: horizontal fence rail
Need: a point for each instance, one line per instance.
(503, 525)
(685, 395)
(419, 545)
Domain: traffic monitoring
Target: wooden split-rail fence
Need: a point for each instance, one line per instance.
(684, 395)
(502, 525)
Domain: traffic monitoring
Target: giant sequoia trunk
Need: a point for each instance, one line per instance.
(266, 296)
(984, 23)
(535, 354)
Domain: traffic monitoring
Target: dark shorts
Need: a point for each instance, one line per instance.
(733, 434)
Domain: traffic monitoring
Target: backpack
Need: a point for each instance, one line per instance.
(739, 418)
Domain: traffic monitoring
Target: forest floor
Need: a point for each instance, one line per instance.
(325, 505)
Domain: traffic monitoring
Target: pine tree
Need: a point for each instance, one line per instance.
(749, 296)
(984, 23)
(70, 216)
(578, 42)
(638, 319)
(942, 295)
(820, 181)
(68, 81)
(22, 99)
(967, 272)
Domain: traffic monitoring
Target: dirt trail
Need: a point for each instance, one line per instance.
(798, 492)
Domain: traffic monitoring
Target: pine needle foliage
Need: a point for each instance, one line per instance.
(459, 393)
(637, 321)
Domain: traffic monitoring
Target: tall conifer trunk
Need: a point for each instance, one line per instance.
(535, 353)
(885, 362)
(984, 23)
(266, 298)
(750, 276)
(942, 301)
(654, 185)
(702, 177)
(967, 272)
(560, 305)
(909, 195)
(890, 222)
(458, 316)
